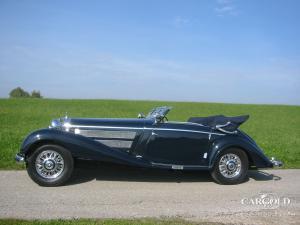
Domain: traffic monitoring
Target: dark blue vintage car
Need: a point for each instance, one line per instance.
(202, 143)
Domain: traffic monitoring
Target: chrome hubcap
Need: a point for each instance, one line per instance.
(49, 164)
(230, 165)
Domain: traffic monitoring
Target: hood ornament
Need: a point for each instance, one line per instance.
(64, 118)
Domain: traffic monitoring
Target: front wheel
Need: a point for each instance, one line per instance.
(231, 167)
(50, 165)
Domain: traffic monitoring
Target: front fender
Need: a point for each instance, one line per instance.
(79, 146)
(256, 156)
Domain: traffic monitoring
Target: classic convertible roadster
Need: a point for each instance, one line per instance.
(202, 143)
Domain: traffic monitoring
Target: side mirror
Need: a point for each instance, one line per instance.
(141, 115)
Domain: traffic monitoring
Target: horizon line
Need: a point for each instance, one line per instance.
(152, 100)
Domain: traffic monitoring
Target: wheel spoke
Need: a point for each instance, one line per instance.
(49, 164)
(230, 165)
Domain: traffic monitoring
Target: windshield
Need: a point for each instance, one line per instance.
(159, 111)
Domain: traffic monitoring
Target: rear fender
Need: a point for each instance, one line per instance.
(255, 155)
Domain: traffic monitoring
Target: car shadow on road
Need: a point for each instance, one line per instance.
(259, 175)
(91, 170)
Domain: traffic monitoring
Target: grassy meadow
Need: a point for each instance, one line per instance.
(276, 128)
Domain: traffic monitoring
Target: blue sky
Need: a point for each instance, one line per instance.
(211, 51)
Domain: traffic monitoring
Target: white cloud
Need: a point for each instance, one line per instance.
(224, 1)
(92, 74)
(179, 21)
(226, 7)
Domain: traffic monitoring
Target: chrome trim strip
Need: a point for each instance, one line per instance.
(90, 126)
(226, 131)
(175, 165)
(220, 128)
(183, 130)
(178, 122)
(111, 134)
(67, 126)
(116, 143)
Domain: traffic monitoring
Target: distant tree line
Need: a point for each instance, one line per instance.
(20, 93)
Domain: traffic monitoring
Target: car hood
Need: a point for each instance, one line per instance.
(80, 122)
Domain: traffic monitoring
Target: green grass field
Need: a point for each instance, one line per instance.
(276, 128)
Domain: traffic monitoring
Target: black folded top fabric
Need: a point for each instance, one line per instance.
(212, 121)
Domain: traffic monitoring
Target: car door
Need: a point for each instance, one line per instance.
(178, 143)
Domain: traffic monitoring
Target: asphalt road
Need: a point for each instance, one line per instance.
(105, 191)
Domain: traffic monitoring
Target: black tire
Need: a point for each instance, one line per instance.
(63, 176)
(238, 178)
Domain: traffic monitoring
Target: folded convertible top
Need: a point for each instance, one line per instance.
(220, 121)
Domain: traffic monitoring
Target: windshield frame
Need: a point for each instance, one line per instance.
(161, 112)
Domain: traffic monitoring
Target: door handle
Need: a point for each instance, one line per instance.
(154, 134)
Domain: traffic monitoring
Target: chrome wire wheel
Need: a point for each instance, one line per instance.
(49, 164)
(230, 165)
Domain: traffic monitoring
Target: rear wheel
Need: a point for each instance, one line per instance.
(231, 167)
(50, 165)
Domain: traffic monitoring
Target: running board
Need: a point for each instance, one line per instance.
(178, 167)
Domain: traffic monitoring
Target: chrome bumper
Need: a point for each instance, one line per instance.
(19, 158)
(276, 163)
